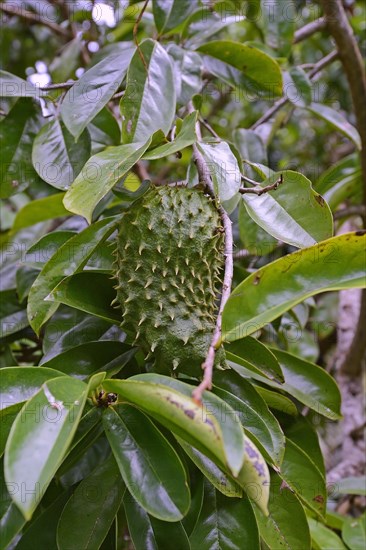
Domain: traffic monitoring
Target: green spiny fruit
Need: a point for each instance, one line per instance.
(169, 258)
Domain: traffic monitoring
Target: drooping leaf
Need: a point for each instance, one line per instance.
(100, 174)
(334, 264)
(46, 208)
(225, 523)
(169, 14)
(260, 70)
(148, 104)
(91, 509)
(336, 120)
(152, 533)
(149, 465)
(19, 384)
(170, 402)
(71, 257)
(93, 90)
(224, 171)
(40, 437)
(56, 157)
(294, 213)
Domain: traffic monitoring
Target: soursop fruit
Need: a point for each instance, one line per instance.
(168, 262)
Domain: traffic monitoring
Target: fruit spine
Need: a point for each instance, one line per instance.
(168, 262)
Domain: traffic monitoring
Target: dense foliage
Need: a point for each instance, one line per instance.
(102, 444)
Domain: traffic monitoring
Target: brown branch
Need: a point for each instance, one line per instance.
(309, 30)
(208, 364)
(284, 100)
(261, 190)
(353, 65)
(34, 18)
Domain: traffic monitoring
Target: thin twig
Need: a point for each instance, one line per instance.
(208, 364)
(359, 210)
(261, 190)
(284, 100)
(309, 29)
(34, 18)
(134, 32)
(58, 86)
(209, 128)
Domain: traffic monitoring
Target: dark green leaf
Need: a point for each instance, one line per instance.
(186, 137)
(91, 509)
(104, 131)
(13, 317)
(278, 20)
(46, 208)
(56, 157)
(11, 519)
(303, 87)
(255, 356)
(13, 86)
(187, 68)
(336, 120)
(334, 264)
(168, 14)
(301, 432)
(43, 250)
(354, 532)
(277, 401)
(40, 437)
(150, 467)
(324, 538)
(7, 417)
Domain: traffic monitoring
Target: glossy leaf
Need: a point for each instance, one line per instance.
(13, 316)
(13, 86)
(334, 264)
(148, 104)
(252, 411)
(354, 532)
(213, 473)
(168, 14)
(40, 437)
(93, 90)
(294, 213)
(336, 120)
(104, 131)
(186, 137)
(258, 68)
(46, 208)
(19, 384)
(43, 250)
(224, 171)
(277, 401)
(151, 533)
(226, 523)
(170, 402)
(99, 175)
(210, 24)
(255, 356)
(149, 466)
(83, 360)
(286, 526)
(304, 435)
(187, 67)
(11, 519)
(55, 155)
(91, 509)
(278, 21)
(255, 239)
(71, 257)
(324, 538)
(78, 291)
(304, 478)
(7, 417)
(17, 132)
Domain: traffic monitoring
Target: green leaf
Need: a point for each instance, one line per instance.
(11, 520)
(17, 132)
(334, 264)
(255, 356)
(225, 523)
(13, 316)
(43, 250)
(7, 417)
(286, 527)
(213, 473)
(40, 437)
(71, 257)
(294, 213)
(352, 486)
(209, 24)
(336, 120)
(303, 87)
(150, 533)
(304, 478)
(323, 538)
(278, 21)
(224, 171)
(91, 509)
(93, 90)
(169, 14)
(259, 69)
(78, 291)
(252, 411)
(40, 210)
(277, 401)
(187, 67)
(102, 172)
(256, 240)
(186, 137)
(148, 104)
(212, 428)
(13, 86)
(302, 432)
(250, 145)
(63, 65)
(56, 157)
(104, 131)
(354, 532)
(19, 384)
(149, 465)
